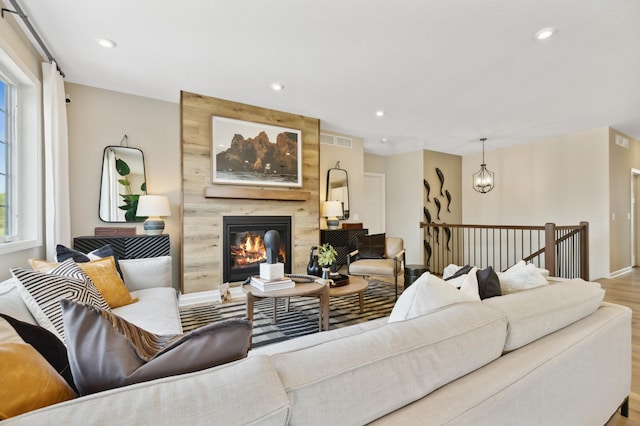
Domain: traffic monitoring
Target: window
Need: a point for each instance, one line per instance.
(7, 105)
(20, 156)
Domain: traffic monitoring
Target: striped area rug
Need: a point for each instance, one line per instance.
(302, 317)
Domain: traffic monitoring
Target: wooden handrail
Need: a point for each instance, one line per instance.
(565, 250)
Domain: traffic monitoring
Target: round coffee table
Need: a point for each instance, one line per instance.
(357, 285)
(320, 291)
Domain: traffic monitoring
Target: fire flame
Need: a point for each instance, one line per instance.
(252, 250)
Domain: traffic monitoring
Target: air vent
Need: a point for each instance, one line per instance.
(340, 141)
(622, 141)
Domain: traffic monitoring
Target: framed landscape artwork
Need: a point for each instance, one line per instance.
(248, 153)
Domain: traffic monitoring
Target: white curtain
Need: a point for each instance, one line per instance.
(56, 158)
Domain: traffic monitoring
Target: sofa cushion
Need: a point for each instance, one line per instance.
(357, 379)
(139, 274)
(540, 311)
(12, 304)
(42, 293)
(27, 380)
(156, 310)
(46, 343)
(370, 246)
(106, 351)
(521, 276)
(103, 274)
(427, 294)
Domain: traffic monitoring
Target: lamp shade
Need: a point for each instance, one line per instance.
(153, 206)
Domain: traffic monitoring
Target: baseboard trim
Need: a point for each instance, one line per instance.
(620, 272)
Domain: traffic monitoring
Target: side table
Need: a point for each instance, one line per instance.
(343, 240)
(128, 247)
(412, 273)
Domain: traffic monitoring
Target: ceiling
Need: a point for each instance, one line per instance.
(445, 72)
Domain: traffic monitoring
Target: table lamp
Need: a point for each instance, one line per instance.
(332, 209)
(153, 206)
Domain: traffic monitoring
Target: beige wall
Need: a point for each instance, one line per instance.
(98, 118)
(351, 160)
(562, 180)
(14, 42)
(375, 163)
(621, 161)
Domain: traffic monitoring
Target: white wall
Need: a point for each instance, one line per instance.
(563, 180)
(404, 201)
(98, 118)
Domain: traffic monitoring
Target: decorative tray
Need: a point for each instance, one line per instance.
(339, 280)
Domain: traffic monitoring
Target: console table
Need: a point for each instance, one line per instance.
(127, 247)
(343, 240)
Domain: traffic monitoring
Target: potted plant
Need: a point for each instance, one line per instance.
(326, 257)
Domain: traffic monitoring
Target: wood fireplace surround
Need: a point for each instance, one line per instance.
(204, 204)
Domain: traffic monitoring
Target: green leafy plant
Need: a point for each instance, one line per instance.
(326, 255)
(130, 199)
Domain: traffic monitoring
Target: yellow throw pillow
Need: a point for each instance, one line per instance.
(103, 274)
(28, 381)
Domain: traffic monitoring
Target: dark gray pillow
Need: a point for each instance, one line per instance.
(106, 351)
(462, 271)
(371, 246)
(488, 283)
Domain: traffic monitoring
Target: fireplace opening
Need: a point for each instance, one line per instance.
(243, 244)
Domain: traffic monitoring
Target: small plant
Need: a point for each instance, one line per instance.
(326, 255)
(130, 199)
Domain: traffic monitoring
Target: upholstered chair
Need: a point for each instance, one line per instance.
(391, 264)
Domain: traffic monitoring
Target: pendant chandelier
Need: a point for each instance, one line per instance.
(483, 179)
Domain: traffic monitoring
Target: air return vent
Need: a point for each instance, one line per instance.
(622, 141)
(341, 141)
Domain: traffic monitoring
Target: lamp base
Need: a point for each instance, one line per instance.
(333, 222)
(153, 226)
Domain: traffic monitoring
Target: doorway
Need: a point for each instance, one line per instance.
(373, 215)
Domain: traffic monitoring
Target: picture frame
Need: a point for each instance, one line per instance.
(250, 153)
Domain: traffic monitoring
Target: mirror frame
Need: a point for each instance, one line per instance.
(116, 169)
(346, 181)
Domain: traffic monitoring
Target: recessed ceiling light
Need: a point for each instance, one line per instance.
(379, 113)
(545, 33)
(105, 42)
(277, 86)
(384, 140)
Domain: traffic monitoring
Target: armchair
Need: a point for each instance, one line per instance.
(391, 265)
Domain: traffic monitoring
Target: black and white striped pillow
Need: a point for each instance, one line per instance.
(42, 293)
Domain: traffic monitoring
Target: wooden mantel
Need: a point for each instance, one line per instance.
(256, 193)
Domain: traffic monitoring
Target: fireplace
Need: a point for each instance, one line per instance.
(243, 244)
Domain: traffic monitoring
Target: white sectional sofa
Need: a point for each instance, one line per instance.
(552, 355)
(148, 279)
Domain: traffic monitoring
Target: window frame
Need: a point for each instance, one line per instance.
(26, 152)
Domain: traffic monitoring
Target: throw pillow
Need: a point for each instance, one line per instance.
(47, 345)
(103, 274)
(42, 293)
(371, 246)
(106, 351)
(427, 294)
(457, 278)
(521, 276)
(27, 380)
(63, 253)
(488, 283)
(469, 284)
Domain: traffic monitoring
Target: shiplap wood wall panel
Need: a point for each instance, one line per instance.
(202, 217)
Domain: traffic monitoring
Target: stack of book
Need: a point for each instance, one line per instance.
(270, 285)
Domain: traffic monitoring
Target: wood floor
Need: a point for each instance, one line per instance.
(625, 290)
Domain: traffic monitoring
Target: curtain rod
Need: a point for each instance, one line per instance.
(18, 11)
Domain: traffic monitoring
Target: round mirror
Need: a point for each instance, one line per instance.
(123, 181)
(338, 189)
